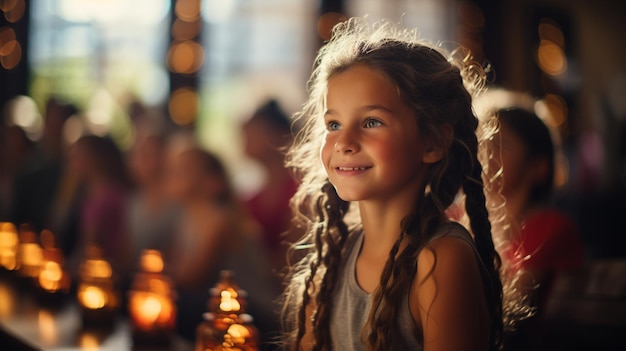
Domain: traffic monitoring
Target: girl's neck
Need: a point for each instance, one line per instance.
(382, 224)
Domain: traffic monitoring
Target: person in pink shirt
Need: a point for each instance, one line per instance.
(98, 165)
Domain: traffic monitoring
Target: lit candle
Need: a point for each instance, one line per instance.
(30, 253)
(96, 294)
(150, 304)
(52, 277)
(92, 297)
(9, 243)
(226, 326)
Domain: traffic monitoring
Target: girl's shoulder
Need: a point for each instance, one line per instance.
(452, 229)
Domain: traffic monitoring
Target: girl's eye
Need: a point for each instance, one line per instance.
(333, 125)
(372, 123)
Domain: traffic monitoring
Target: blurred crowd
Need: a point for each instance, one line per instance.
(166, 193)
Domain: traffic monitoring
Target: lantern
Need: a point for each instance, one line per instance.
(226, 326)
(151, 302)
(52, 277)
(96, 294)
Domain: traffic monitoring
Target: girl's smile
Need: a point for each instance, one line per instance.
(373, 149)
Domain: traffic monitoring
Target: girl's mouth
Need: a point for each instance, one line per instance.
(352, 168)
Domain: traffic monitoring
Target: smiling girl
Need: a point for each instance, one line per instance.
(384, 268)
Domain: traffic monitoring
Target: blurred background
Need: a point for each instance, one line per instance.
(206, 65)
(200, 69)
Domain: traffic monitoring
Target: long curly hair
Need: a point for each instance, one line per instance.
(438, 86)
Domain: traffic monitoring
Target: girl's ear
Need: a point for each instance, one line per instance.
(437, 150)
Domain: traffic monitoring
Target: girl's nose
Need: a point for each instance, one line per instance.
(347, 142)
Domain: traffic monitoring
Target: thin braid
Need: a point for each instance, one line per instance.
(481, 227)
(329, 241)
(381, 335)
(309, 285)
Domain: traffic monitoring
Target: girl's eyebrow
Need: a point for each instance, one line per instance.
(367, 108)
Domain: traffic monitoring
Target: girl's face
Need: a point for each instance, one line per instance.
(514, 157)
(373, 149)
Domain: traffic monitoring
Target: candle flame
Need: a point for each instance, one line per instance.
(229, 301)
(92, 297)
(152, 261)
(50, 276)
(150, 308)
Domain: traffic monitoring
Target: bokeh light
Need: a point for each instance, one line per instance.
(188, 10)
(183, 30)
(10, 48)
(551, 58)
(183, 106)
(550, 31)
(23, 112)
(185, 57)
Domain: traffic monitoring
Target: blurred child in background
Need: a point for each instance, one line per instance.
(213, 235)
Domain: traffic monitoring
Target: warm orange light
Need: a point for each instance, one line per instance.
(183, 106)
(239, 333)
(47, 327)
(50, 276)
(31, 258)
(7, 5)
(187, 10)
(151, 311)
(88, 342)
(185, 57)
(182, 30)
(92, 297)
(151, 303)
(9, 244)
(14, 10)
(97, 268)
(228, 302)
(152, 261)
(550, 31)
(557, 108)
(7, 34)
(7, 48)
(13, 58)
(551, 58)
(7, 300)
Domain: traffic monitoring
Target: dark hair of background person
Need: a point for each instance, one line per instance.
(536, 137)
(272, 114)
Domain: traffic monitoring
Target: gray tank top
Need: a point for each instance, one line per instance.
(351, 304)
